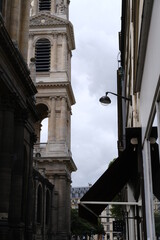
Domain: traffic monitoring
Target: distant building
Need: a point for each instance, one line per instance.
(76, 194)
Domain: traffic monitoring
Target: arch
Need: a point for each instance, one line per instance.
(41, 127)
(42, 110)
(44, 5)
(42, 55)
(39, 204)
(36, 38)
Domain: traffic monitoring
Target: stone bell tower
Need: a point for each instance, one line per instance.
(51, 41)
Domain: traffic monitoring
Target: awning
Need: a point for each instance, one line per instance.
(109, 184)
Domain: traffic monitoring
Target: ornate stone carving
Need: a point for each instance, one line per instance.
(60, 7)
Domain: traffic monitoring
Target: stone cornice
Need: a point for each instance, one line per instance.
(66, 85)
(68, 161)
(44, 20)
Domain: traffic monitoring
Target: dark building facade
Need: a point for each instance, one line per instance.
(17, 116)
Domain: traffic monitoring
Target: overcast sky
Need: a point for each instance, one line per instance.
(94, 65)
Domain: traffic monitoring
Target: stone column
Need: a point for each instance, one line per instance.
(54, 54)
(68, 206)
(59, 53)
(54, 213)
(35, 7)
(52, 121)
(62, 216)
(53, 6)
(24, 30)
(31, 189)
(6, 151)
(69, 129)
(63, 123)
(15, 20)
(19, 180)
(69, 65)
(31, 52)
(64, 53)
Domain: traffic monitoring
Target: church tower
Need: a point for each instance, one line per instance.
(51, 41)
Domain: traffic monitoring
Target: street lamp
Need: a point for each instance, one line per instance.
(105, 100)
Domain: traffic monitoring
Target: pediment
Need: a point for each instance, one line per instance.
(44, 19)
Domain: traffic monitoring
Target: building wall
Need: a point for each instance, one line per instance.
(17, 117)
(140, 63)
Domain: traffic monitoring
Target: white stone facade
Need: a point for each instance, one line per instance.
(54, 100)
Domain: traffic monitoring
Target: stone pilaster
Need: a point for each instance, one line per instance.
(24, 29)
(15, 20)
(61, 207)
(6, 159)
(54, 55)
(31, 53)
(35, 7)
(63, 122)
(19, 180)
(64, 53)
(54, 214)
(6, 151)
(52, 121)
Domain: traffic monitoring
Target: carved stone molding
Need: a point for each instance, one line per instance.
(45, 19)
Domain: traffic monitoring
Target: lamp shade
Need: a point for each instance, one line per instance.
(105, 100)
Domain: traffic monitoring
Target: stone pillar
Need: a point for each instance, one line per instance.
(68, 206)
(35, 8)
(62, 216)
(6, 159)
(19, 181)
(6, 151)
(52, 121)
(31, 51)
(54, 214)
(64, 53)
(24, 30)
(63, 123)
(54, 54)
(69, 129)
(53, 6)
(15, 20)
(69, 65)
(59, 53)
(61, 207)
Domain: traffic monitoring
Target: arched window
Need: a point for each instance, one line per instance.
(39, 205)
(42, 54)
(44, 5)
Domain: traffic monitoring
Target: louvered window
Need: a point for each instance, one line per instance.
(44, 5)
(42, 54)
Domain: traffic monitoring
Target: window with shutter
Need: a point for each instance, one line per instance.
(44, 5)
(42, 55)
